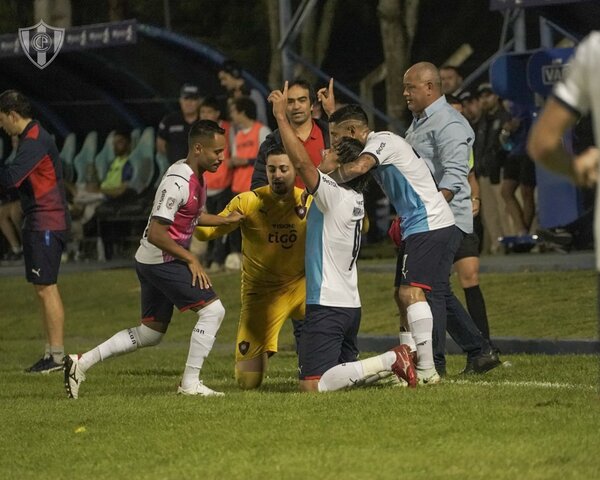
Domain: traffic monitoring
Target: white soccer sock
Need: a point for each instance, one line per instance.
(57, 352)
(420, 321)
(355, 373)
(202, 341)
(406, 338)
(124, 341)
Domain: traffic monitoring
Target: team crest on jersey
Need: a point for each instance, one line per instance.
(243, 347)
(300, 211)
(170, 203)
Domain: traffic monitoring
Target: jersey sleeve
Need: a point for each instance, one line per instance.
(380, 148)
(574, 90)
(241, 203)
(328, 193)
(171, 195)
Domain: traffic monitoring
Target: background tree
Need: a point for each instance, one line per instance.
(398, 23)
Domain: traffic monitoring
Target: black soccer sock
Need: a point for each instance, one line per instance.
(477, 310)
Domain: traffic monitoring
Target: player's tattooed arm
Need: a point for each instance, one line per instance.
(349, 171)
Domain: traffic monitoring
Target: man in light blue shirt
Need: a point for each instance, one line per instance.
(444, 138)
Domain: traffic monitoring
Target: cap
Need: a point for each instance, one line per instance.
(189, 91)
(485, 88)
(466, 96)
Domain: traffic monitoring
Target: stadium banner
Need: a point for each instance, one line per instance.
(98, 35)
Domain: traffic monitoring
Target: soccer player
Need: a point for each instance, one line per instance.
(36, 172)
(427, 221)
(169, 274)
(329, 333)
(273, 286)
(576, 95)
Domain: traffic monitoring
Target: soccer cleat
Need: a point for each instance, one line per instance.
(404, 367)
(428, 377)
(44, 365)
(73, 376)
(199, 389)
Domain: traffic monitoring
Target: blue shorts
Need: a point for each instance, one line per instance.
(165, 285)
(42, 251)
(328, 338)
(422, 258)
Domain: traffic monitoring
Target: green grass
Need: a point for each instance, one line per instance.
(538, 419)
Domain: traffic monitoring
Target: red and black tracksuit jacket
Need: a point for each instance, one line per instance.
(36, 172)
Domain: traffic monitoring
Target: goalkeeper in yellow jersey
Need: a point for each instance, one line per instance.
(273, 286)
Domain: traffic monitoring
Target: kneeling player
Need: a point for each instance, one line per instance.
(273, 285)
(169, 274)
(329, 333)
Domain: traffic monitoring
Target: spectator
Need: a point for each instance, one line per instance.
(519, 169)
(36, 172)
(230, 76)
(313, 133)
(452, 79)
(488, 169)
(113, 188)
(218, 185)
(174, 128)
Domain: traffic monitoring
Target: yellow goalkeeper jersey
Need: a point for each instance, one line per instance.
(273, 236)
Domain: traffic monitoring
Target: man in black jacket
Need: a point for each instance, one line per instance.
(313, 133)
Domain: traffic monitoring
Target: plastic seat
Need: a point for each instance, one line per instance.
(162, 164)
(105, 156)
(67, 154)
(135, 137)
(142, 162)
(85, 158)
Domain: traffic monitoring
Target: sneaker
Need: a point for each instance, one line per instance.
(199, 389)
(44, 365)
(428, 377)
(404, 367)
(73, 376)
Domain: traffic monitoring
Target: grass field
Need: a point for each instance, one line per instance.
(538, 419)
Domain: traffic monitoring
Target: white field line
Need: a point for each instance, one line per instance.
(527, 384)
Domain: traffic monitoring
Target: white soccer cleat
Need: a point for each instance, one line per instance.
(428, 377)
(199, 389)
(73, 375)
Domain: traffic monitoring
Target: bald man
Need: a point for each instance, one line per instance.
(444, 139)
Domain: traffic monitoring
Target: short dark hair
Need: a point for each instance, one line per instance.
(15, 101)
(204, 129)
(349, 112)
(232, 68)
(211, 102)
(276, 149)
(122, 132)
(306, 85)
(348, 150)
(245, 105)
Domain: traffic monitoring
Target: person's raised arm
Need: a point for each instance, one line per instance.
(293, 147)
(349, 171)
(326, 97)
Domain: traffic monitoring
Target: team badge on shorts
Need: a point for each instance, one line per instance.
(243, 347)
(41, 43)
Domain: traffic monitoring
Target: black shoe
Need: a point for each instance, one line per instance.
(482, 363)
(44, 365)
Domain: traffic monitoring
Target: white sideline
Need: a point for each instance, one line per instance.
(508, 383)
